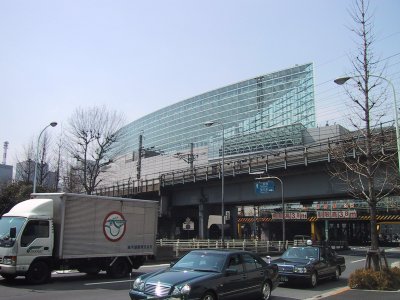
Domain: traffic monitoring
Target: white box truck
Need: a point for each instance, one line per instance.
(56, 231)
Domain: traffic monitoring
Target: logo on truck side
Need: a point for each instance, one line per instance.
(114, 226)
(35, 249)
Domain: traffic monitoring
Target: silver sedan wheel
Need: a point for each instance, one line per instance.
(266, 291)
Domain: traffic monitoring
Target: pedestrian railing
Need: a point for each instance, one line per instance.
(261, 247)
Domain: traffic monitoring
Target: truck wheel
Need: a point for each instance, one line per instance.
(120, 268)
(38, 273)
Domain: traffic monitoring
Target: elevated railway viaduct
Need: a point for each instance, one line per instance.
(316, 203)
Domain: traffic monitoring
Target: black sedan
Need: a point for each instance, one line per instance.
(309, 264)
(210, 275)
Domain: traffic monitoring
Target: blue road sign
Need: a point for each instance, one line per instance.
(263, 187)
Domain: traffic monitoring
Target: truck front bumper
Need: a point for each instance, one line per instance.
(7, 269)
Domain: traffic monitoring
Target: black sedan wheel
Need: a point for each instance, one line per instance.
(209, 296)
(313, 280)
(337, 274)
(266, 291)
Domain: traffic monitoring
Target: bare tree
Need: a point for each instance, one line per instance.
(362, 163)
(44, 175)
(26, 165)
(58, 162)
(93, 137)
(72, 181)
(25, 169)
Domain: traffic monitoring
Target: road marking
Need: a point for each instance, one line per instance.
(128, 280)
(355, 261)
(393, 249)
(330, 293)
(65, 272)
(108, 282)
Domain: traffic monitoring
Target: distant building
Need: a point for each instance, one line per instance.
(25, 172)
(51, 180)
(6, 172)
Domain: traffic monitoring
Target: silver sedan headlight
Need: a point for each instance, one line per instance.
(181, 290)
(300, 270)
(138, 284)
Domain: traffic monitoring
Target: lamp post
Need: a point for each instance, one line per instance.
(52, 124)
(208, 124)
(343, 80)
(283, 203)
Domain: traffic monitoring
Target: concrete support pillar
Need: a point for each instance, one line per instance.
(313, 231)
(233, 221)
(203, 221)
(326, 230)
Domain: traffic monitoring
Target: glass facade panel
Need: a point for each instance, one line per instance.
(265, 112)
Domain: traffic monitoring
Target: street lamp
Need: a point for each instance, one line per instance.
(343, 80)
(52, 124)
(283, 202)
(208, 124)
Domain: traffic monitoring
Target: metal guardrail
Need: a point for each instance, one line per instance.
(179, 247)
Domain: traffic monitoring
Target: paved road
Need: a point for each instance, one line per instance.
(78, 286)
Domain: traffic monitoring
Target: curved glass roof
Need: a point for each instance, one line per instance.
(247, 110)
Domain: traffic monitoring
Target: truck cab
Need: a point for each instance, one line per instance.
(26, 236)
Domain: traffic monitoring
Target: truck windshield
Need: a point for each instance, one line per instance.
(5, 224)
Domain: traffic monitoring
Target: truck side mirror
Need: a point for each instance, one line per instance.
(13, 232)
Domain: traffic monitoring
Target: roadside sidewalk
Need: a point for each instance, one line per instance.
(354, 294)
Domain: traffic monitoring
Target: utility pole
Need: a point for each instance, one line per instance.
(140, 153)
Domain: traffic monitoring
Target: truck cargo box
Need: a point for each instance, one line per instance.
(97, 226)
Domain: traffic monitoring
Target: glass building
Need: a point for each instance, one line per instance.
(266, 112)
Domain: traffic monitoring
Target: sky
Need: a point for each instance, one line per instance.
(136, 57)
